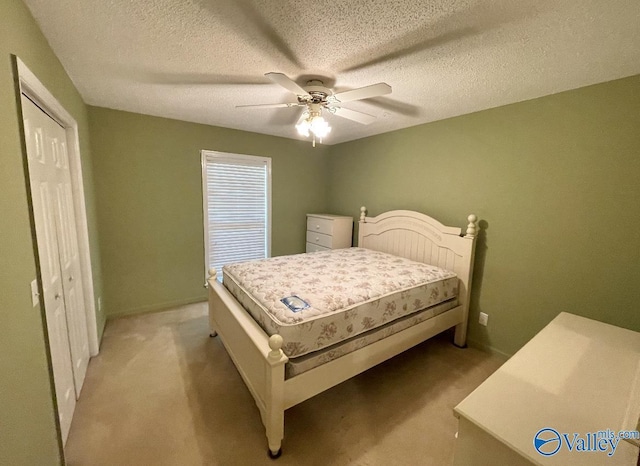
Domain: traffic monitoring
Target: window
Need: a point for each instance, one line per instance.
(237, 208)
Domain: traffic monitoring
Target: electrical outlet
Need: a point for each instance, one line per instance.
(484, 319)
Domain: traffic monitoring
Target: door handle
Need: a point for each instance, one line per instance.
(57, 296)
(71, 278)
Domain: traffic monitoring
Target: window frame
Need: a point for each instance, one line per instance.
(231, 158)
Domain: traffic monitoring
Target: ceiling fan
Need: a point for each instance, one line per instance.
(316, 98)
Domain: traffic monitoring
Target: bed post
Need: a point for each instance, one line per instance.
(274, 415)
(212, 330)
(363, 219)
(460, 336)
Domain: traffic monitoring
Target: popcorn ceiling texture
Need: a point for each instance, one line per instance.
(195, 60)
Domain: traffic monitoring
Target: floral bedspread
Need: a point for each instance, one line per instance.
(345, 292)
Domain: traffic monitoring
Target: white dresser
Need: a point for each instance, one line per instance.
(560, 400)
(326, 231)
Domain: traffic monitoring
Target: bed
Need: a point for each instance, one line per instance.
(256, 345)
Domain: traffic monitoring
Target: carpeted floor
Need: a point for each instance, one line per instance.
(161, 392)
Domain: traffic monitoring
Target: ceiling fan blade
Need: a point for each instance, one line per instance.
(286, 82)
(284, 119)
(367, 92)
(354, 115)
(396, 106)
(252, 22)
(289, 104)
(166, 77)
(419, 46)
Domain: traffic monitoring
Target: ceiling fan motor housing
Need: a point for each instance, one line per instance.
(317, 91)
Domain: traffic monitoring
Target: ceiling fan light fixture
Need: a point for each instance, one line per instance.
(320, 127)
(303, 128)
(313, 125)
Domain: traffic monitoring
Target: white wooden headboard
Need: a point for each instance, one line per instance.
(418, 237)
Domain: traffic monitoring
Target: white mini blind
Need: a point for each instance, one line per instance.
(237, 200)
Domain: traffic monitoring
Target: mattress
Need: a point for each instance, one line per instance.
(318, 299)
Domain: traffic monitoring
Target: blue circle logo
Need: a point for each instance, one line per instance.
(547, 441)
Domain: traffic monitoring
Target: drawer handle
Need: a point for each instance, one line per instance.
(317, 239)
(317, 227)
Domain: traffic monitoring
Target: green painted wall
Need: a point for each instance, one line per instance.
(555, 181)
(28, 432)
(149, 196)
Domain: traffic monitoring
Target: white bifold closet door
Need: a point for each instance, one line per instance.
(52, 196)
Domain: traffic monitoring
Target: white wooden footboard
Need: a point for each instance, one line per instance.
(257, 357)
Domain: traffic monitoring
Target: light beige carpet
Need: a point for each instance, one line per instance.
(162, 392)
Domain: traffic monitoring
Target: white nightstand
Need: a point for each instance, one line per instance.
(326, 231)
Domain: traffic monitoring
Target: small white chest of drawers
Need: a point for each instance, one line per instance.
(326, 231)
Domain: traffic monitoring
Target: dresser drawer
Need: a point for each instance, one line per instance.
(319, 239)
(315, 248)
(320, 225)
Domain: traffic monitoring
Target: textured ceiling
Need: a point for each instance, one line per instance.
(195, 60)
